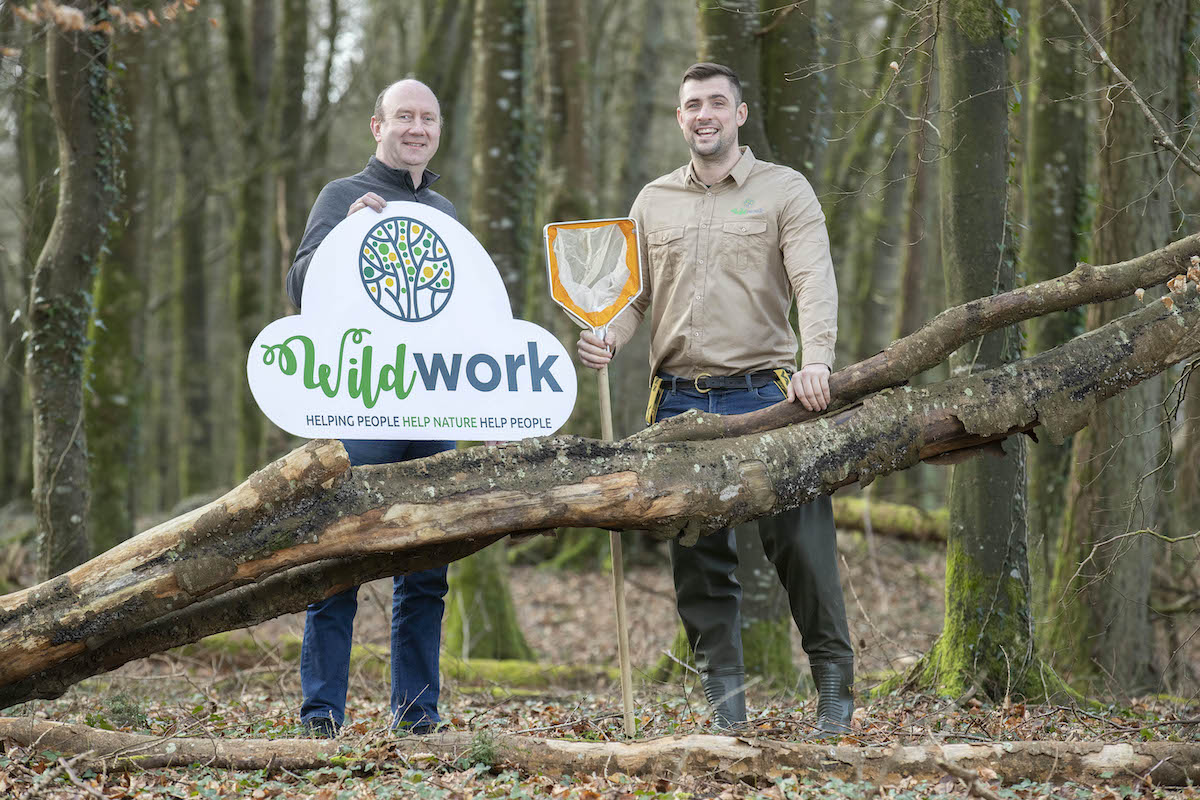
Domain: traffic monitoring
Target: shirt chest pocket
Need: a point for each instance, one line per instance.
(665, 251)
(744, 244)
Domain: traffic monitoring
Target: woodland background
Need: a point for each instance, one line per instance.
(958, 148)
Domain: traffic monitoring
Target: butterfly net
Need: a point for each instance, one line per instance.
(593, 268)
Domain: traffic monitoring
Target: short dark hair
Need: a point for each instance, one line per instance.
(707, 69)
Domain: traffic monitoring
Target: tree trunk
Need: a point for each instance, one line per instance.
(13, 412)
(629, 376)
(730, 35)
(500, 190)
(919, 243)
(448, 33)
(321, 119)
(792, 98)
(1055, 182)
(634, 166)
(36, 151)
(847, 174)
(288, 129)
(987, 636)
(877, 253)
(60, 303)
(37, 161)
(191, 111)
(1102, 589)
(481, 621)
(569, 179)
(1188, 475)
(116, 371)
(306, 527)
(250, 55)
(912, 292)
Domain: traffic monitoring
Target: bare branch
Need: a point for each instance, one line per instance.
(1162, 138)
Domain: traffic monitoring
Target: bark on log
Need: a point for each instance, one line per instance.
(727, 757)
(253, 554)
(937, 339)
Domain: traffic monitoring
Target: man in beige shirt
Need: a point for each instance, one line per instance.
(727, 242)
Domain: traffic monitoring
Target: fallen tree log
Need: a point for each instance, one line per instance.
(894, 520)
(307, 526)
(727, 757)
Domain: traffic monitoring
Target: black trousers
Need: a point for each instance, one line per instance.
(801, 544)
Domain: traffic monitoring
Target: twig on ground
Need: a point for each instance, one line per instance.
(975, 785)
(66, 765)
(687, 667)
(44, 780)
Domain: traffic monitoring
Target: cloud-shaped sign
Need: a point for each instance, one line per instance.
(406, 333)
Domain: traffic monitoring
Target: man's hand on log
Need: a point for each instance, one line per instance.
(811, 386)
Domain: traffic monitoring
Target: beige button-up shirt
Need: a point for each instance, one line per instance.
(721, 265)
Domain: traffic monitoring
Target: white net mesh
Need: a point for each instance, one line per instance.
(591, 265)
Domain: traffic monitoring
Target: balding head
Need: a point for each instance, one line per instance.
(402, 84)
(407, 127)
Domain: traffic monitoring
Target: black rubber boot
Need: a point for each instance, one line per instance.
(727, 696)
(835, 698)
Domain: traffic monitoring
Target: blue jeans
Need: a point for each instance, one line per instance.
(801, 543)
(417, 607)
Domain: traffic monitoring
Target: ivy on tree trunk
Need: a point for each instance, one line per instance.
(60, 301)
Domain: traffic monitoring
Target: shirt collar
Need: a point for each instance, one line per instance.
(400, 177)
(739, 173)
(741, 170)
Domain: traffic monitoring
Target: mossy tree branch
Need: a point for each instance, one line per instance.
(306, 526)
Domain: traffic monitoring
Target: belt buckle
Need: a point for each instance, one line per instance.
(697, 382)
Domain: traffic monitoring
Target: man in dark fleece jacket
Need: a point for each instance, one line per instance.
(407, 127)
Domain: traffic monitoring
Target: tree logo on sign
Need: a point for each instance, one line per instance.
(406, 269)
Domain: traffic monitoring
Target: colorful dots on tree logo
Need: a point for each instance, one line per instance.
(406, 269)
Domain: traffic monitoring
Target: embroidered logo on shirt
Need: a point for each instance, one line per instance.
(745, 208)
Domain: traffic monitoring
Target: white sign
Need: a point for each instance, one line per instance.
(406, 333)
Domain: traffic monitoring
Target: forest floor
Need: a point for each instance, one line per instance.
(246, 686)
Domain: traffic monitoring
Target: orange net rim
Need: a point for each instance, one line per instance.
(630, 290)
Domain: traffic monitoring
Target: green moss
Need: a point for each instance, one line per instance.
(581, 549)
(768, 652)
(509, 675)
(481, 620)
(524, 674)
(671, 665)
(980, 20)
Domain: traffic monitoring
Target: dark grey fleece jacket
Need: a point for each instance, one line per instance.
(334, 201)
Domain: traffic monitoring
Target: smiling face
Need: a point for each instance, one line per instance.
(709, 115)
(408, 127)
